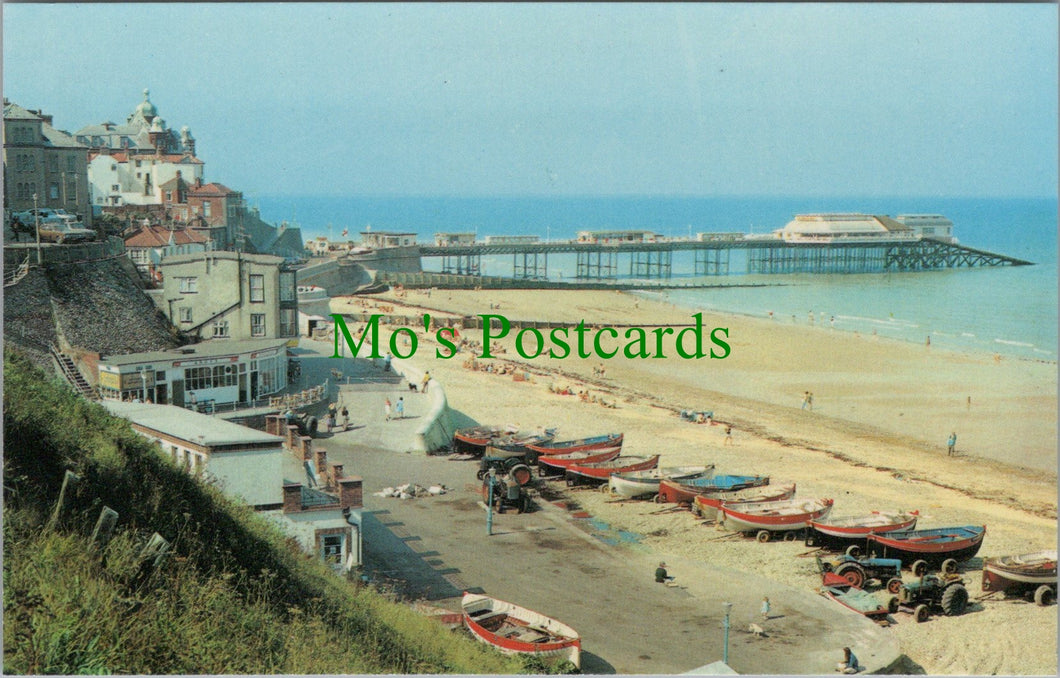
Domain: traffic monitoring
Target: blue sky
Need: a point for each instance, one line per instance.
(568, 99)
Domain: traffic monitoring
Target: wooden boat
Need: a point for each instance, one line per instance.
(839, 533)
(633, 484)
(600, 471)
(474, 439)
(580, 445)
(1020, 574)
(932, 546)
(674, 491)
(520, 442)
(857, 600)
(706, 505)
(773, 516)
(556, 464)
(517, 630)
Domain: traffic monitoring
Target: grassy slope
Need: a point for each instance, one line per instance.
(236, 597)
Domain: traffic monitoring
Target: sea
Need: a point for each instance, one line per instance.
(1011, 311)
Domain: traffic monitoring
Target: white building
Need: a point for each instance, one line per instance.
(929, 225)
(831, 228)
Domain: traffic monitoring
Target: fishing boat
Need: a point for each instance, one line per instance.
(857, 600)
(675, 491)
(773, 516)
(580, 445)
(556, 464)
(633, 484)
(580, 472)
(931, 546)
(840, 533)
(474, 439)
(1021, 574)
(706, 505)
(517, 630)
(520, 442)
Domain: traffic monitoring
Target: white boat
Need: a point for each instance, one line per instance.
(773, 516)
(517, 630)
(633, 484)
(706, 505)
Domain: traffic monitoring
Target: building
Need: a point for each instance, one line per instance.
(512, 239)
(45, 162)
(444, 239)
(929, 225)
(207, 376)
(832, 228)
(247, 464)
(616, 236)
(147, 244)
(229, 295)
(382, 239)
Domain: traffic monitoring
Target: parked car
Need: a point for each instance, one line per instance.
(46, 214)
(61, 231)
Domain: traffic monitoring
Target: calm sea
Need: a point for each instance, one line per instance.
(1009, 310)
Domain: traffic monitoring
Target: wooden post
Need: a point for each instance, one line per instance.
(104, 529)
(70, 481)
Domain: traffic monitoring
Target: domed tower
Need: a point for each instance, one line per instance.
(187, 142)
(158, 135)
(146, 111)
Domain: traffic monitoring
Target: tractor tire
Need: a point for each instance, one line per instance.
(921, 613)
(520, 473)
(480, 474)
(919, 568)
(892, 605)
(954, 600)
(853, 573)
(853, 551)
(949, 566)
(762, 536)
(1044, 595)
(790, 535)
(657, 499)
(905, 596)
(894, 585)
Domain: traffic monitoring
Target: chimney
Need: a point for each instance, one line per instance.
(292, 497)
(350, 496)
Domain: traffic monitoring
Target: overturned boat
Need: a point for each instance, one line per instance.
(517, 630)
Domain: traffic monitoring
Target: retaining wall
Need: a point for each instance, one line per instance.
(436, 433)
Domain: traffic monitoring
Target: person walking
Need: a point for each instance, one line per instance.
(805, 399)
(400, 407)
(386, 409)
(345, 419)
(951, 443)
(765, 608)
(809, 400)
(728, 435)
(426, 380)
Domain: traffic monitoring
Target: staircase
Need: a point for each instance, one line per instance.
(13, 275)
(73, 375)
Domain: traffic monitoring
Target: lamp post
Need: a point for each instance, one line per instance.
(489, 505)
(725, 650)
(36, 227)
(143, 381)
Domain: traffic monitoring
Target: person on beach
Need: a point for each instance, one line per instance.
(728, 435)
(661, 576)
(400, 407)
(809, 400)
(386, 362)
(951, 443)
(805, 399)
(386, 409)
(765, 607)
(849, 663)
(345, 419)
(426, 380)
(330, 420)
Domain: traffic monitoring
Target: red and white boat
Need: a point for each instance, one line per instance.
(556, 464)
(634, 484)
(580, 445)
(843, 532)
(1022, 574)
(684, 492)
(517, 630)
(707, 505)
(601, 471)
(774, 516)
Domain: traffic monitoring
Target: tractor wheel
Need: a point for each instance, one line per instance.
(480, 474)
(312, 426)
(892, 605)
(894, 585)
(790, 535)
(949, 566)
(921, 613)
(762, 536)
(853, 550)
(1045, 595)
(919, 568)
(954, 600)
(657, 499)
(905, 596)
(852, 573)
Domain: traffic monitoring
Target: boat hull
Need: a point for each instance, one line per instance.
(581, 445)
(707, 505)
(1019, 574)
(646, 483)
(839, 534)
(774, 516)
(556, 464)
(933, 546)
(517, 630)
(601, 471)
(858, 601)
(675, 492)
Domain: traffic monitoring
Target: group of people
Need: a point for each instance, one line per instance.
(398, 409)
(332, 417)
(807, 401)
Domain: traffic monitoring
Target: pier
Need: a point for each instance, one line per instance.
(733, 254)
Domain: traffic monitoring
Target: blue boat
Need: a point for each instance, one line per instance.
(932, 546)
(683, 492)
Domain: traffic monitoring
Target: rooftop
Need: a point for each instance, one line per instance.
(206, 349)
(187, 425)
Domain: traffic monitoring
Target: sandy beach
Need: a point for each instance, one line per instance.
(875, 439)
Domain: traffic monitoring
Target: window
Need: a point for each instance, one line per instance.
(185, 314)
(257, 324)
(53, 191)
(331, 546)
(220, 329)
(288, 288)
(257, 287)
(71, 163)
(189, 285)
(115, 188)
(206, 208)
(288, 323)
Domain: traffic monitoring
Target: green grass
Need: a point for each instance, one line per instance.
(236, 596)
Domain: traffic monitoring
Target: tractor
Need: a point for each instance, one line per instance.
(859, 571)
(508, 491)
(944, 592)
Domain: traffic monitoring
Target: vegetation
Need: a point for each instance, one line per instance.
(234, 596)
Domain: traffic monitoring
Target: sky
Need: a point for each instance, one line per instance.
(567, 99)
